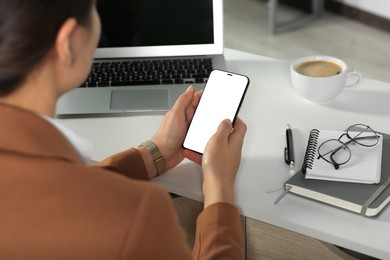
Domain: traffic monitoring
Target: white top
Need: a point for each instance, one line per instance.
(81, 145)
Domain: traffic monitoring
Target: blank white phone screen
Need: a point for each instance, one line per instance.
(221, 99)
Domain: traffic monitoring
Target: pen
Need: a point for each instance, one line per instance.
(289, 149)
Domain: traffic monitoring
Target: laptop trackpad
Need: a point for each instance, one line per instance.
(140, 99)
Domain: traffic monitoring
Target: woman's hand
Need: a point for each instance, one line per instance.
(220, 162)
(170, 136)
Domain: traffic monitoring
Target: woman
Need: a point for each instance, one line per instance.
(53, 206)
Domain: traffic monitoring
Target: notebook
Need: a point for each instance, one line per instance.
(365, 199)
(363, 166)
(149, 34)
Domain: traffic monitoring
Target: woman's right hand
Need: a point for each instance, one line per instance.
(220, 162)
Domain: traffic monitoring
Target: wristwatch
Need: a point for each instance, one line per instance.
(158, 158)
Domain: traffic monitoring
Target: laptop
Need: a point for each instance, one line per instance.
(149, 52)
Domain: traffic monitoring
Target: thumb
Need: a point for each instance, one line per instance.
(225, 129)
(185, 99)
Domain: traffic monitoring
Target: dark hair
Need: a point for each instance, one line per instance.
(28, 29)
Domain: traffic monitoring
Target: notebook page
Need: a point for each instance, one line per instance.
(364, 165)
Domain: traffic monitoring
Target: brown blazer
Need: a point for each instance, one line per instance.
(53, 206)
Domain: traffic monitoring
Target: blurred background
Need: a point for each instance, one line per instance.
(356, 31)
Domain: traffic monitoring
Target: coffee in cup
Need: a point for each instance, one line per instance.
(318, 68)
(321, 78)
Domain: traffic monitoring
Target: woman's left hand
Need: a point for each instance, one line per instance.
(170, 136)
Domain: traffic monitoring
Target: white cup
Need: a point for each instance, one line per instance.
(323, 88)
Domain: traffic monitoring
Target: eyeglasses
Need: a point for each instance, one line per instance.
(337, 152)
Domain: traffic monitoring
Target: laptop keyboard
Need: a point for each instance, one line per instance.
(148, 72)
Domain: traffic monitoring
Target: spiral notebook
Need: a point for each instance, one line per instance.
(366, 199)
(364, 165)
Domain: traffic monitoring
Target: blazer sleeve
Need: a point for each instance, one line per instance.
(155, 232)
(128, 163)
(219, 233)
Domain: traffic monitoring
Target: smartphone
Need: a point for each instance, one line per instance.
(221, 99)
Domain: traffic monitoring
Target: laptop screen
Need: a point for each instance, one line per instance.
(157, 28)
(132, 23)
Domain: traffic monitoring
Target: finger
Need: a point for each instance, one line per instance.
(192, 156)
(185, 99)
(195, 101)
(239, 123)
(197, 97)
(224, 129)
(239, 132)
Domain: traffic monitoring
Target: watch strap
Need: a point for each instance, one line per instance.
(158, 158)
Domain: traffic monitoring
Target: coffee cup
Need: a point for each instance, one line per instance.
(321, 78)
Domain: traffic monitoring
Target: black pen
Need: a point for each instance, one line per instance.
(289, 149)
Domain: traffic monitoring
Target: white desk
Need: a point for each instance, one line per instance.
(269, 105)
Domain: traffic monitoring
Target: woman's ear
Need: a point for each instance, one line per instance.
(63, 44)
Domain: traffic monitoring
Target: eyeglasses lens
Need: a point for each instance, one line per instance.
(366, 137)
(336, 150)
